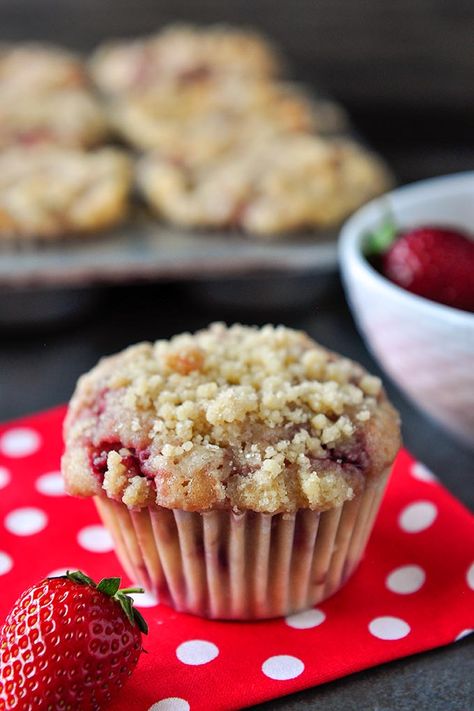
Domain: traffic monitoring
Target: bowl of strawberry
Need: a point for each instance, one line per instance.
(407, 262)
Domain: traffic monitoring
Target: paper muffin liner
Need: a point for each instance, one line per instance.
(242, 566)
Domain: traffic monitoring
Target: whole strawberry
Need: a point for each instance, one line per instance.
(69, 644)
(435, 263)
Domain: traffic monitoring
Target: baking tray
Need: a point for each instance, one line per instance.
(146, 250)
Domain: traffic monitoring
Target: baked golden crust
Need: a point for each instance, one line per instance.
(183, 54)
(48, 192)
(70, 117)
(258, 419)
(279, 184)
(206, 119)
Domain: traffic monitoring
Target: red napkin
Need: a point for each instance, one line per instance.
(413, 591)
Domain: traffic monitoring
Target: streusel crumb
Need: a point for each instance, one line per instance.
(274, 184)
(48, 192)
(259, 419)
(36, 69)
(183, 54)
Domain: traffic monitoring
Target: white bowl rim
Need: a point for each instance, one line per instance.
(355, 228)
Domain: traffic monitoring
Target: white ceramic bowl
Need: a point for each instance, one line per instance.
(427, 348)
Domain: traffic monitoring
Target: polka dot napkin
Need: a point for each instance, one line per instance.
(413, 591)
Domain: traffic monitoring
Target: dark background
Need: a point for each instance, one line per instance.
(405, 71)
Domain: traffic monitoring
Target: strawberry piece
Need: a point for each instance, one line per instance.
(435, 263)
(69, 644)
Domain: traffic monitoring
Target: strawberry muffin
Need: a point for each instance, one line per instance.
(238, 469)
(45, 97)
(70, 117)
(48, 192)
(33, 68)
(278, 184)
(182, 54)
(203, 120)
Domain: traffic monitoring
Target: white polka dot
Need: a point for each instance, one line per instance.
(51, 484)
(282, 667)
(406, 579)
(95, 539)
(146, 599)
(5, 477)
(463, 633)
(25, 522)
(417, 517)
(306, 619)
(196, 652)
(6, 563)
(20, 442)
(422, 473)
(172, 703)
(389, 628)
(470, 576)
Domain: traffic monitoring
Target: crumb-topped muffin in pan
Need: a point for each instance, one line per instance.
(271, 185)
(47, 192)
(238, 469)
(206, 119)
(35, 68)
(183, 54)
(45, 97)
(70, 117)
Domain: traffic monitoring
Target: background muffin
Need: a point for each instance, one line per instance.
(70, 118)
(48, 192)
(203, 120)
(239, 470)
(280, 184)
(183, 54)
(34, 68)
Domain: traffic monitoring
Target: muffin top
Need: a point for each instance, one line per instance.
(202, 120)
(184, 54)
(69, 117)
(34, 68)
(49, 192)
(240, 417)
(271, 185)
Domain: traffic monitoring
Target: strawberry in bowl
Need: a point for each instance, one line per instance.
(69, 644)
(410, 284)
(431, 261)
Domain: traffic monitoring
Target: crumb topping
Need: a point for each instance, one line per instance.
(276, 184)
(206, 119)
(48, 192)
(34, 68)
(183, 54)
(70, 118)
(260, 419)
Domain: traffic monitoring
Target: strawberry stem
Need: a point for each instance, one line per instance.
(379, 240)
(111, 588)
(127, 591)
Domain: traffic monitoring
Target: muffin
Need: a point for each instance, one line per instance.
(278, 185)
(70, 117)
(203, 120)
(48, 192)
(182, 54)
(239, 470)
(34, 68)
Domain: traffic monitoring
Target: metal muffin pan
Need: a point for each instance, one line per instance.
(149, 251)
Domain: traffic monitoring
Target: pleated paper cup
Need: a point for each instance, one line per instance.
(242, 566)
